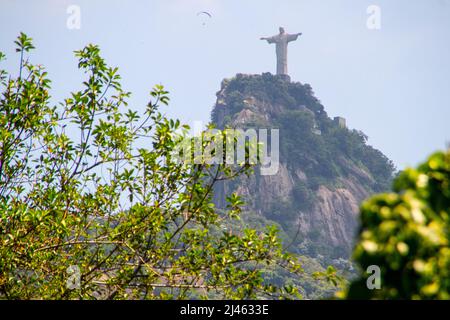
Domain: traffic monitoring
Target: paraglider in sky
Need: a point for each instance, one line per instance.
(205, 16)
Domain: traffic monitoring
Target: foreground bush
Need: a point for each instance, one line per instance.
(407, 234)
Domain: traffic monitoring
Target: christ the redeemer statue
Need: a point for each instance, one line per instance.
(282, 40)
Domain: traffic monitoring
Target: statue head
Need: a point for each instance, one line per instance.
(281, 30)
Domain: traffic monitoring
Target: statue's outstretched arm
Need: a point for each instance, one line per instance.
(293, 37)
(269, 40)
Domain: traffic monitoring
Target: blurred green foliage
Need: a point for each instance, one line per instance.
(406, 233)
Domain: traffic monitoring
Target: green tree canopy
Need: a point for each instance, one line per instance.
(94, 205)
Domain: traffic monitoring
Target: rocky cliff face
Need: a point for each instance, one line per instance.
(325, 169)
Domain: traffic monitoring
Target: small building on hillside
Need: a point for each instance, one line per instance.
(340, 121)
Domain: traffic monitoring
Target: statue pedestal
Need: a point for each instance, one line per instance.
(285, 77)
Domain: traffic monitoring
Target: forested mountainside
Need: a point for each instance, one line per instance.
(325, 170)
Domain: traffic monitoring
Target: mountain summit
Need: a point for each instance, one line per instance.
(325, 169)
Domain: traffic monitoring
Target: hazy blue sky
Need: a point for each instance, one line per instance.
(392, 83)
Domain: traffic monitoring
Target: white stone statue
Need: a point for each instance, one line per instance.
(281, 40)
